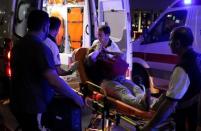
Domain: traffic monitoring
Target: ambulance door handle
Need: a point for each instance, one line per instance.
(86, 29)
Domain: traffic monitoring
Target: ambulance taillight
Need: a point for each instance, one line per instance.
(8, 46)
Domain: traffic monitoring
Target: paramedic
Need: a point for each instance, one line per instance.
(185, 85)
(50, 42)
(34, 76)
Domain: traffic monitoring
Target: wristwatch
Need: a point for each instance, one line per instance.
(69, 71)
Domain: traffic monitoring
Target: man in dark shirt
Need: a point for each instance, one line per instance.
(184, 87)
(34, 76)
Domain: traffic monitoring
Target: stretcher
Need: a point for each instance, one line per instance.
(107, 105)
(75, 21)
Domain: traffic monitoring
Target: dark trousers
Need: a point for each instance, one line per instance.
(28, 122)
(186, 119)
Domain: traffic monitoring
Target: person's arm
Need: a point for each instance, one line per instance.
(61, 87)
(63, 72)
(46, 66)
(93, 55)
(113, 53)
(114, 50)
(164, 111)
(178, 86)
(95, 50)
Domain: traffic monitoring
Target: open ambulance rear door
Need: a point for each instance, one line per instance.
(116, 13)
(13, 18)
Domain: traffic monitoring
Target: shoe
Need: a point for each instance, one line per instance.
(145, 101)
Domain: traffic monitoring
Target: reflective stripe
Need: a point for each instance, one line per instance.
(161, 58)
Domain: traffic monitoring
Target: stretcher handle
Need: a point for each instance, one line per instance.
(94, 87)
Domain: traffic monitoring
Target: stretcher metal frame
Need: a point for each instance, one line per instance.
(113, 110)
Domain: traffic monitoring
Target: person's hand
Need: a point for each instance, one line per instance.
(74, 66)
(101, 48)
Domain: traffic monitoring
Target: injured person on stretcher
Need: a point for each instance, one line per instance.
(109, 73)
(105, 66)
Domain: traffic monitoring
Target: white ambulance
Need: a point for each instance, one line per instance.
(153, 61)
(80, 19)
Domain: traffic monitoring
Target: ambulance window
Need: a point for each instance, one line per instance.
(161, 31)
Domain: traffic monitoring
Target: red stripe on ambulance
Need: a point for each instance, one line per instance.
(153, 57)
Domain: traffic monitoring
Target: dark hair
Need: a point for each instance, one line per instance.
(184, 35)
(37, 19)
(105, 29)
(54, 23)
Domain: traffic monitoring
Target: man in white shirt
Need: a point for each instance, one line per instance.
(185, 85)
(50, 42)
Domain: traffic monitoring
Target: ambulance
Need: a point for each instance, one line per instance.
(79, 22)
(149, 57)
(152, 59)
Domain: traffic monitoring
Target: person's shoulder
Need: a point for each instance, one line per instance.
(45, 47)
(31, 38)
(48, 41)
(24, 39)
(51, 44)
(21, 42)
(31, 41)
(114, 44)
